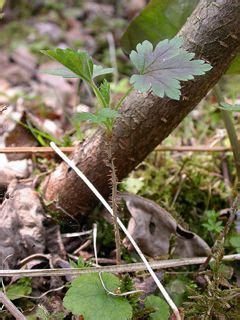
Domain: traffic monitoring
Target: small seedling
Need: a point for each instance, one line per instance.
(160, 71)
(212, 224)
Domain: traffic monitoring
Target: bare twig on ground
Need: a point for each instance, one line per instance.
(158, 149)
(11, 307)
(133, 267)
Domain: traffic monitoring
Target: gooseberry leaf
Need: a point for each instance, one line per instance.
(66, 73)
(159, 305)
(80, 63)
(60, 72)
(229, 107)
(88, 298)
(162, 68)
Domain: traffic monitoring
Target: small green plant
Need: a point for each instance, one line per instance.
(212, 224)
(79, 264)
(160, 71)
(88, 298)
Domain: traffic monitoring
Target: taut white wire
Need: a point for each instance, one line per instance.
(106, 205)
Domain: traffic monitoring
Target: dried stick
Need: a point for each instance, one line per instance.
(11, 307)
(133, 267)
(34, 150)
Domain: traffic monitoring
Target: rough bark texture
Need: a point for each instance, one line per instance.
(213, 33)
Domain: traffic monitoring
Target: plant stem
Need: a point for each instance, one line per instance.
(228, 121)
(118, 105)
(114, 183)
(99, 96)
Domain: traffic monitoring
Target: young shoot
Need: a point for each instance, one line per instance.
(160, 71)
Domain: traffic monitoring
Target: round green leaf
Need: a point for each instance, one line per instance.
(160, 306)
(88, 298)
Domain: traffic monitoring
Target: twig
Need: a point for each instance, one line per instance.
(136, 247)
(11, 307)
(75, 234)
(34, 150)
(34, 257)
(45, 293)
(133, 267)
(83, 246)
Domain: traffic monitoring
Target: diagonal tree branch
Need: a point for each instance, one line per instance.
(213, 33)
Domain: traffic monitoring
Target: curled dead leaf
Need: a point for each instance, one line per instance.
(152, 228)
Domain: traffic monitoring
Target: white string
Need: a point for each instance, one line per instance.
(106, 205)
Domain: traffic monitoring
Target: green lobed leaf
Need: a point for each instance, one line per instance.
(85, 116)
(160, 306)
(229, 107)
(105, 91)
(23, 287)
(88, 298)
(60, 72)
(107, 113)
(161, 69)
(80, 63)
(65, 73)
(101, 116)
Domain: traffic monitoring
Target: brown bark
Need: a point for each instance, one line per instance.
(213, 33)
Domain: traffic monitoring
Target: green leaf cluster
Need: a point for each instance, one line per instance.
(212, 224)
(103, 117)
(23, 287)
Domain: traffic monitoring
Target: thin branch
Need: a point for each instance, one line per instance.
(34, 150)
(133, 267)
(11, 307)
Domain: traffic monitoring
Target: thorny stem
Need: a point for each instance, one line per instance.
(222, 236)
(136, 247)
(228, 121)
(118, 105)
(114, 183)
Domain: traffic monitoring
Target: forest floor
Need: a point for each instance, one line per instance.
(194, 186)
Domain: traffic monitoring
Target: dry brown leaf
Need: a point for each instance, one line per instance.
(152, 227)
